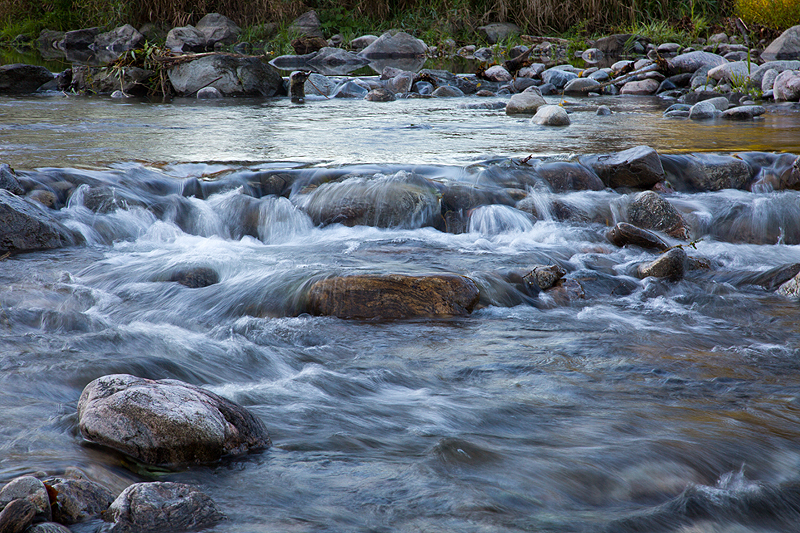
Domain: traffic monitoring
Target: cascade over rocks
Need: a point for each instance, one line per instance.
(157, 507)
(166, 422)
(393, 296)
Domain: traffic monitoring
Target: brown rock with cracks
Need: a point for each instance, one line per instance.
(671, 265)
(624, 234)
(638, 167)
(393, 296)
(17, 516)
(650, 211)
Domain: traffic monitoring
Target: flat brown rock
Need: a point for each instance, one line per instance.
(393, 296)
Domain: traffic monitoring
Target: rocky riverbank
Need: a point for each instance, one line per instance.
(209, 61)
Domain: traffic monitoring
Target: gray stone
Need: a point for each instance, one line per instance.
(669, 48)
(744, 112)
(319, 85)
(157, 507)
(615, 45)
(581, 86)
(638, 167)
(768, 80)
(650, 211)
(31, 489)
(48, 527)
(558, 77)
(624, 234)
(9, 181)
(79, 39)
(166, 422)
(18, 78)
(17, 516)
(551, 115)
(736, 72)
(106, 80)
(498, 73)
(780, 66)
(791, 288)
(447, 91)
(499, 31)
(694, 60)
(671, 266)
(787, 86)
(380, 95)
(525, 103)
(399, 44)
(787, 46)
(640, 88)
(603, 111)
(483, 54)
(401, 83)
(121, 39)
(704, 110)
(718, 38)
(186, 39)
(705, 172)
(218, 28)
(359, 43)
(79, 499)
(25, 227)
(335, 61)
(209, 93)
(443, 77)
(307, 24)
(351, 89)
(231, 75)
(531, 71)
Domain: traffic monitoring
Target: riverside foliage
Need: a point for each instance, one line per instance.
(449, 18)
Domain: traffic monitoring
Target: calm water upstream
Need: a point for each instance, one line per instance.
(644, 406)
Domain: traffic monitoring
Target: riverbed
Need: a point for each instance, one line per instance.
(534, 413)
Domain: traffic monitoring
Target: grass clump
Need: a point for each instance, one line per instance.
(775, 14)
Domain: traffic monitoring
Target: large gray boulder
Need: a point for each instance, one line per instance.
(706, 172)
(581, 86)
(121, 39)
(499, 31)
(19, 78)
(218, 28)
(24, 226)
(186, 39)
(166, 422)
(787, 86)
(650, 211)
(551, 115)
(525, 103)
(307, 24)
(395, 45)
(158, 507)
(558, 77)
(231, 75)
(638, 167)
(640, 88)
(757, 77)
(692, 61)
(787, 46)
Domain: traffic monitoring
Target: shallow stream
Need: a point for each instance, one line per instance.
(645, 405)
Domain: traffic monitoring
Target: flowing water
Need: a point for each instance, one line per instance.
(645, 405)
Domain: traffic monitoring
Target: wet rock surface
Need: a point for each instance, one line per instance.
(166, 422)
(25, 227)
(393, 296)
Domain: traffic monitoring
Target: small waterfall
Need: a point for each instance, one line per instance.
(497, 219)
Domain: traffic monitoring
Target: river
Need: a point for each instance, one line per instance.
(646, 405)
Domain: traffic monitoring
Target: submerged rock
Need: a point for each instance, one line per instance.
(563, 176)
(671, 265)
(31, 489)
(551, 115)
(166, 422)
(393, 296)
(79, 499)
(649, 210)
(624, 234)
(638, 167)
(195, 278)
(157, 507)
(25, 227)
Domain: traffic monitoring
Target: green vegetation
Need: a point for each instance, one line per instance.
(775, 14)
(435, 21)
